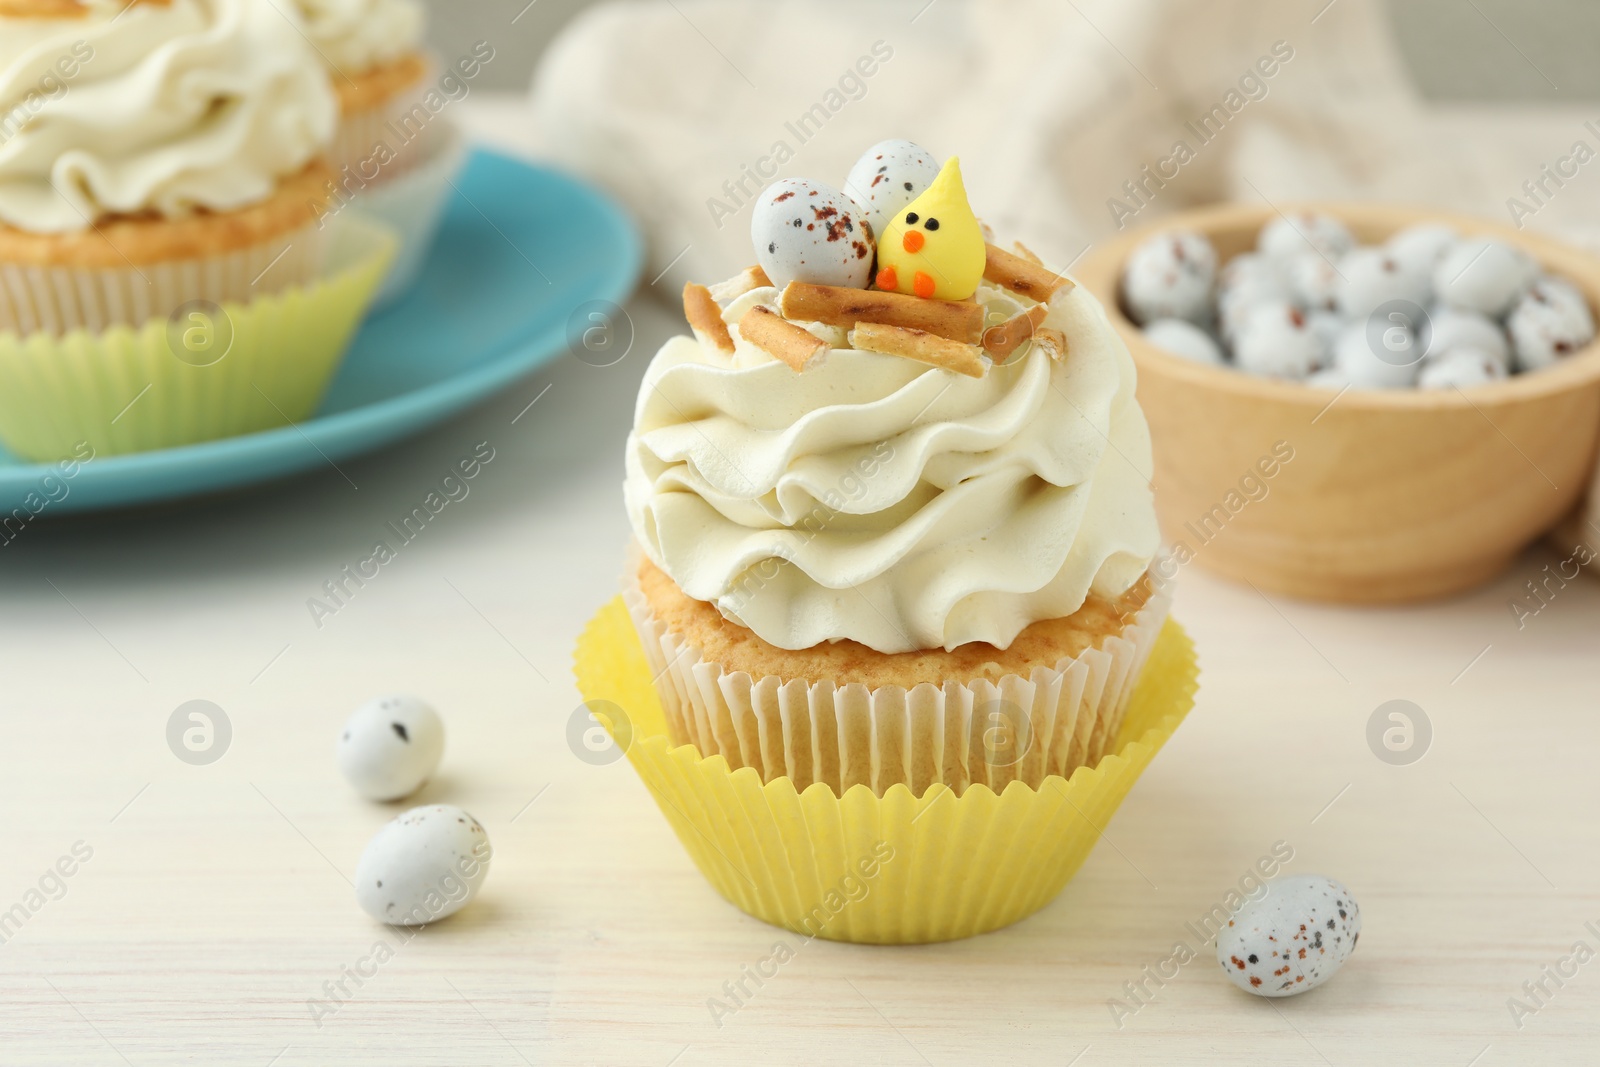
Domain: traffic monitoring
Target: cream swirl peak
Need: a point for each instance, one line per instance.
(878, 499)
(355, 36)
(154, 108)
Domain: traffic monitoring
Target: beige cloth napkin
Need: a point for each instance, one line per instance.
(1052, 107)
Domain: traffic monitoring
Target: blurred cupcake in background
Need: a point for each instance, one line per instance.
(161, 165)
(373, 52)
(154, 155)
(395, 151)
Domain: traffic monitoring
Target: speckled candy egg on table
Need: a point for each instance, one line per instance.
(887, 177)
(390, 746)
(1291, 940)
(426, 864)
(805, 231)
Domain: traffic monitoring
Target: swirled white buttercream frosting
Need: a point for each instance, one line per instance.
(358, 35)
(154, 108)
(878, 499)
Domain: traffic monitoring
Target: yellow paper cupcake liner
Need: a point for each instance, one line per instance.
(207, 372)
(896, 869)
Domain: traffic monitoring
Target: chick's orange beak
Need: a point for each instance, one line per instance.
(912, 241)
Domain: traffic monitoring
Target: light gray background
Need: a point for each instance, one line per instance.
(1456, 49)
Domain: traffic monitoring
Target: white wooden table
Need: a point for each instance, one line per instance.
(214, 921)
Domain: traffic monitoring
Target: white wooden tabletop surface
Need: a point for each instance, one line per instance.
(212, 920)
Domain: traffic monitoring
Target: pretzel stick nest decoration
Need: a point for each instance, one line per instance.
(1021, 276)
(740, 284)
(705, 318)
(954, 320)
(1054, 342)
(942, 333)
(1002, 340)
(794, 345)
(921, 346)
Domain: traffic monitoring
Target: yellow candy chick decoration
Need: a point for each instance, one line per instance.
(934, 246)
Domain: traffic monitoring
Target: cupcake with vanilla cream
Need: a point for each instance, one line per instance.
(375, 60)
(893, 519)
(161, 173)
(152, 154)
(395, 152)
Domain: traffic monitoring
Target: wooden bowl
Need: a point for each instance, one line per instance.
(1390, 495)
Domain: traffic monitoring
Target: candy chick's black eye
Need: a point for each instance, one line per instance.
(932, 224)
(911, 218)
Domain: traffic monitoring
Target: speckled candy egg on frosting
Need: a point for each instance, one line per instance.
(1292, 939)
(887, 177)
(805, 231)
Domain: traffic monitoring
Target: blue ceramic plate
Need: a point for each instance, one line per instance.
(520, 250)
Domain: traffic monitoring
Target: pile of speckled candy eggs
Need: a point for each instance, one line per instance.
(1429, 308)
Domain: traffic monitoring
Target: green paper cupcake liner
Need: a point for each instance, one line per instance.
(207, 371)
